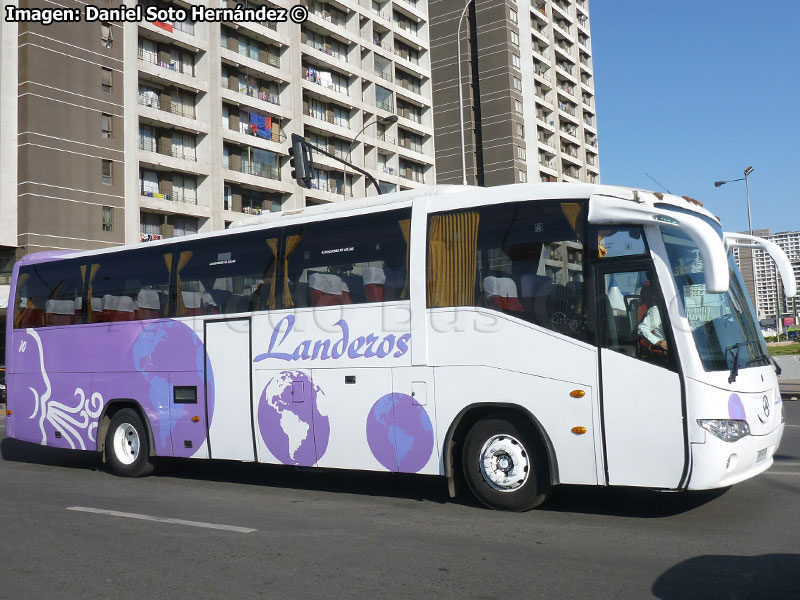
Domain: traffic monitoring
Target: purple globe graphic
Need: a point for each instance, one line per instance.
(290, 423)
(173, 346)
(736, 408)
(400, 433)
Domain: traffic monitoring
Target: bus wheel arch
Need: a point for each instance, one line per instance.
(111, 408)
(547, 472)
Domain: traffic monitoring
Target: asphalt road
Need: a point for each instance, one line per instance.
(346, 535)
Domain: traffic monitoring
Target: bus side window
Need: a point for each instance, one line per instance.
(129, 286)
(354, 260)
(522, 258)
(49, 294)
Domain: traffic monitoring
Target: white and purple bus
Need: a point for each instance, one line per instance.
(511, 338)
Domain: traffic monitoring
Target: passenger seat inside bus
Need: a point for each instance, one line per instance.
(501, 294)
(327, 289)
(148, 305)
(374, 280)
(529, 286)
(59, 312)
(118, 308)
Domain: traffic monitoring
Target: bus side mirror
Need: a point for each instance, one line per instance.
(300, 161)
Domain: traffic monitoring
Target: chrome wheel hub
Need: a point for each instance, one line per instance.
(504, 463)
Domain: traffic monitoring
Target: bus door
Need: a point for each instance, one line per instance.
(228, 400)
(641, 393)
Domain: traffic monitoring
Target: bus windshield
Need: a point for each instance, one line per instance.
(723, 325)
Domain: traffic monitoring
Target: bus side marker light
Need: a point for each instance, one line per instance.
(577, 393)
(195, 419)
(8, 412)
(578, 430)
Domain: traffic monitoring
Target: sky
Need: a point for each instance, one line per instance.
(694, 91)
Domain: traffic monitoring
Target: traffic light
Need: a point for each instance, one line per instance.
(300, 161)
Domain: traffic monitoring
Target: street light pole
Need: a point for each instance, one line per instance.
(747, 171)
(461, 99)
(386, 120)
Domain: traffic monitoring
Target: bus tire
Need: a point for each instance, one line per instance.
(127, 451)
(502, 466)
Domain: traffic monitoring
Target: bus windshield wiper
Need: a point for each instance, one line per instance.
(735, 366)
(734, 349)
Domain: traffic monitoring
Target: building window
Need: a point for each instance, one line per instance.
(523, 176)
(515, 62)
(520, 153)
(106, 170)
(515, 39)
(106, 79)
(518, 106)
(108, 218)
(520, 129)
(517, 84)
(512, 15)
(106, 36)
(105, 126)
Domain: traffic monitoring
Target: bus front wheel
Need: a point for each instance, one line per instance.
(127, 451)
(502, 467)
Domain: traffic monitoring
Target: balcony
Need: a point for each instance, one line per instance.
(167, 149)
(322, 11)
(324, 79)
(326, 49)
(541, 71)
(336, 187)
(328, 119)
(180, 110)
(170, 65)
(387, 170)
(565, 87)
(567, 108)
(177, 195)
(563, 26)
(385, 138)
(261, 170)
(569, 151)
(254, 89)
(571, 131)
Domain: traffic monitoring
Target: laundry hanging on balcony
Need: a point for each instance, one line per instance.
(261, 126)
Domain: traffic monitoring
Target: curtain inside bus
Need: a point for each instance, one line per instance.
(452, 258)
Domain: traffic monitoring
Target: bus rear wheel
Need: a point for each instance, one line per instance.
(127, 450)
(502, 467)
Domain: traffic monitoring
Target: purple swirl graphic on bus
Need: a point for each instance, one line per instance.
(289, 420)
(64, 377)
(400, 433)
(368, 346)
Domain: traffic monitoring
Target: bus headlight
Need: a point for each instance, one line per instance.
(725, 429)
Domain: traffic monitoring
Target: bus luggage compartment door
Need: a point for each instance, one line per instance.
(230, 418)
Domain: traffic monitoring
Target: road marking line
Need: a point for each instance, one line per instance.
(787, 425)
(782, 473)
(114, 513)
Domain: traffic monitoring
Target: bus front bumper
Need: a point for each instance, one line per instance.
(716, 463)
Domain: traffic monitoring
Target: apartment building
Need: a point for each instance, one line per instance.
(528, 89)
(115, 133)
(767, 291)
